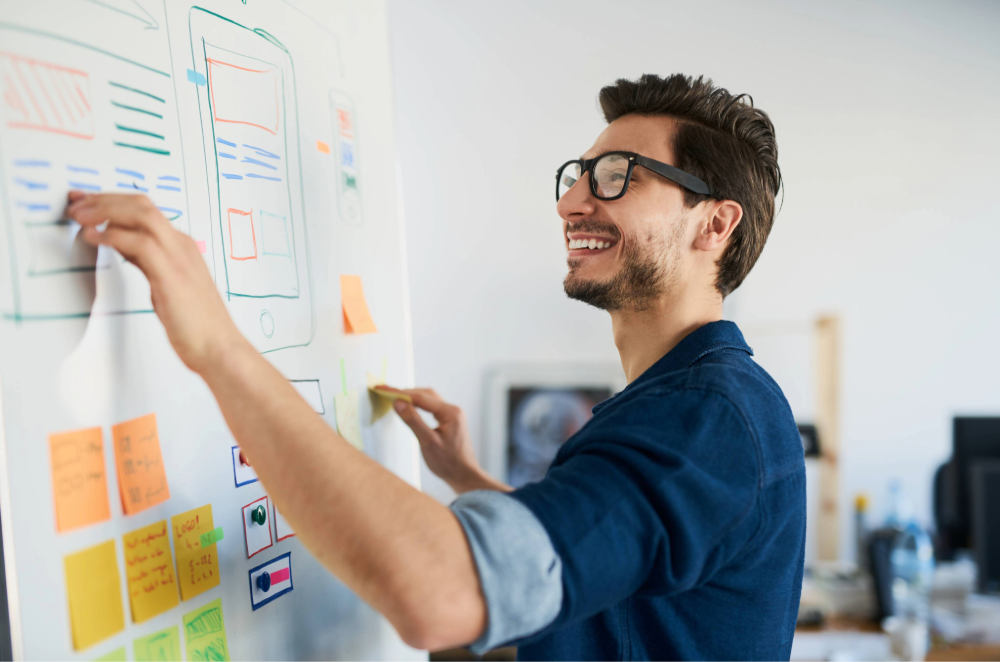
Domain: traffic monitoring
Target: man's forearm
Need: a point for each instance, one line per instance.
(398, 549)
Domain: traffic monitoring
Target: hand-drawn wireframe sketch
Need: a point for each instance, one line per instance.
(345, 130)
(245, 81)
(74, 116)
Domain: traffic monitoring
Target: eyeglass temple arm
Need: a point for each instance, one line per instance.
(677, 175)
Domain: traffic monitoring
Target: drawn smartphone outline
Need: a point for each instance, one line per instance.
(270, 319)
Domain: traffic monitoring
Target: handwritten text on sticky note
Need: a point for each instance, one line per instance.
(142, 479)
(78, 478)
(197, 566)
(149, 569)
(94, 593)
(357, 319)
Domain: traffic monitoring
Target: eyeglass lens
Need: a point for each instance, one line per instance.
(569, 176)
(610, 173)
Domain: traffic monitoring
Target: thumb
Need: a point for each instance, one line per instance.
(412, 418)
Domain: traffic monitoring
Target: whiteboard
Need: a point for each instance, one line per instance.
(264, 129)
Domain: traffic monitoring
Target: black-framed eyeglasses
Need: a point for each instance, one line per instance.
(611, 173)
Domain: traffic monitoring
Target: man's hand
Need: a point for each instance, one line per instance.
(448, 448)
(183, 293)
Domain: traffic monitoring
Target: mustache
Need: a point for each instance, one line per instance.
(595, 227)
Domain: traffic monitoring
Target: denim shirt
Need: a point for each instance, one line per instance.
(672, 526)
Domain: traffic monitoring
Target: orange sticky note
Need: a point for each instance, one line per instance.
(322, 147)
(149, 569)
(357, 319)
(197, 567)
(79, 482)
(94, 593)
(142, 481)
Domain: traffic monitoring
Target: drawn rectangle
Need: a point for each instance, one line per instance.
(243, 474)
(44, 96)
(274, 234)
(279, 564)
(242, 237)
(309, 389)
(258, 535)
(281, 527)
(244, 95)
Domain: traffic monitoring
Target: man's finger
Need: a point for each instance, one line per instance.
(412, 418)
(428, 401)
(136, 246)
(123, 210)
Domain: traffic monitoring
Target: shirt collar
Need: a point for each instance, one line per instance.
(698, 344)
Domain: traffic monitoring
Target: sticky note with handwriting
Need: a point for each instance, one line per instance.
(205, 633)
(345, 405)
(79, 482)
(142, 480)
(197, 566)
(149, 569)
(357, 319)
(164, 646)
(94, 593)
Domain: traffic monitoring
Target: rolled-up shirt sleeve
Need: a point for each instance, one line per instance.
(519, 569)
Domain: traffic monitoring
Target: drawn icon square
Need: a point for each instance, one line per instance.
(242, 238)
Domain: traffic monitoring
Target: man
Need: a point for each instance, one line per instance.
(671, 526)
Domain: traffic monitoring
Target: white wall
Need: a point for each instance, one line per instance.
(887, 118)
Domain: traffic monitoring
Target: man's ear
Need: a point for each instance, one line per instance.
(721, 218)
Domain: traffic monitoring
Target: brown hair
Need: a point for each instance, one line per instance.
(720, 138)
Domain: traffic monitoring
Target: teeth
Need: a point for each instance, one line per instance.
(588, 243)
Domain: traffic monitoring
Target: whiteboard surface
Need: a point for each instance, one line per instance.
(302, 90)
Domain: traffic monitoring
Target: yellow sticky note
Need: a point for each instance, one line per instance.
(205, 633)
(197, 567)
(94, 593)
(348, 418)
(382, 399)
(117, 655)
(142, 480)
(149, 570)
(357, 319)
(78, 478)
(164, 645)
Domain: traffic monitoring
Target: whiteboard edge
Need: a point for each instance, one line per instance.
(7, 530)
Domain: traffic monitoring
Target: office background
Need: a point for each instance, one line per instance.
(886, 117)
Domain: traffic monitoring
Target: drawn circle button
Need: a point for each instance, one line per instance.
(259, 515)
(266, 323)
(264, 581)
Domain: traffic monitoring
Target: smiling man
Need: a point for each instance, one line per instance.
(672, 526)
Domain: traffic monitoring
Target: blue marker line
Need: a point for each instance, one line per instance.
(31, 186)
(195, 77)
(32, 206)
(168, 210)
(168, 188)
(169, 178)
(247, 159)
(229, 176)
(29, 163)
(84, 186)
(226, 156)
(256, 176)
(131, 173)
(262, 152)
(91, 171)
(225, 142)
(133, 186)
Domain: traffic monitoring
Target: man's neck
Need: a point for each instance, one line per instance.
(643, 337)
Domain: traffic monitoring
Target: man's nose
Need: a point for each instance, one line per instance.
(578, 200)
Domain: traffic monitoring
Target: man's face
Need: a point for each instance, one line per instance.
(643, 232)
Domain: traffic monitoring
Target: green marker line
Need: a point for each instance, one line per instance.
(343, 376)
(145, 149)
(132, 89)
(132, 130)
(138, 110)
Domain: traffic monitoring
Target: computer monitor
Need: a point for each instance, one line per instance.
(975, 438)
(985, 494)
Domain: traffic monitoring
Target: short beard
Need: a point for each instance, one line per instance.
(645, 274)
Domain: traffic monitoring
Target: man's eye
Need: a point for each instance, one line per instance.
(618, 176)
